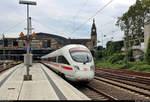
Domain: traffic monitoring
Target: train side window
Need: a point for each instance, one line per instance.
(59, 59)
(63, 60)
(45, 59)
(53, 59)
(49, 59)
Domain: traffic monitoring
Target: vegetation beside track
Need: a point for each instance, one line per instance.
(132, 23)
(137, 66)
(113, 57)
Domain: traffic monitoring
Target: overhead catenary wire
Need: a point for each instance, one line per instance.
(92, 16)
(104, 25)
(107, 23)
(81, 8)
(45, 25)
(110, 32)
(16, 25)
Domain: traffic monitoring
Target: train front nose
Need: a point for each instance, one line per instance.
(84, 75)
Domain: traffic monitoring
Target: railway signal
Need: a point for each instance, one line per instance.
(28, 2)
(33, 34)
(21, 34)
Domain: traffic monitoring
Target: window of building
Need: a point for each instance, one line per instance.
(63, 60)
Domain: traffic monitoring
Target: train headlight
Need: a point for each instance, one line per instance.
(76, 68)
(92, 68)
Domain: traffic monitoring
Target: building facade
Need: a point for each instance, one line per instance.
(146, 33)
(42, 44)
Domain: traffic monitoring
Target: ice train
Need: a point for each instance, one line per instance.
(74, 62)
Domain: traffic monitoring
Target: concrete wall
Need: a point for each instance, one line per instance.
(146, 33)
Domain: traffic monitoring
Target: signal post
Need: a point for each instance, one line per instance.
(28, 58)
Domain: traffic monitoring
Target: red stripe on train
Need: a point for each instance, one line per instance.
(65, 67)
(56, 65)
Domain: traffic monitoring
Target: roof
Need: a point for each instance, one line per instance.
(59, 39)
(63, 40)
(79, 41)
(65, 49)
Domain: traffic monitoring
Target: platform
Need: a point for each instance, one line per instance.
(45, 85)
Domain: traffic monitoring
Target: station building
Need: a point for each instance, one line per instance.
(41, 44)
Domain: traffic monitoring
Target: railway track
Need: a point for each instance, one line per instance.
(7, 67)
(136, 79)
(2, 70)
(95, 93)
(99, 94)
(133, 81)
(126, 86)
(92, 92)
(125, 72)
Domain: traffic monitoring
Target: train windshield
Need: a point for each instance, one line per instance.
(81, 56)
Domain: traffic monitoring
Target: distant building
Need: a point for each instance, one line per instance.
(44, 43)
(146, 33)
(141, 49)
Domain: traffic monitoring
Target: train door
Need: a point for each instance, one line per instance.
(65, 65)
(57, 61)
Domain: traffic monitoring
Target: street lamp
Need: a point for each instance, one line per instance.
(28, 2)
(103, 38)
(4, 64)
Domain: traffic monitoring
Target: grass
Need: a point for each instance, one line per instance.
(137, 66)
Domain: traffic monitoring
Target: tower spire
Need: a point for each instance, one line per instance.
(93, 20)
(93, 29)
(93, 35)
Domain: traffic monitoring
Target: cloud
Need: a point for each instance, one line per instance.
(62, 17)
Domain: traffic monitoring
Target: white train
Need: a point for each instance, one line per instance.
(74, 62)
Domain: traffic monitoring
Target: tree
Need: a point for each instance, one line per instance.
(132, 22)
(99, 48)
(98, 52)
(147, 54)
(113, 47)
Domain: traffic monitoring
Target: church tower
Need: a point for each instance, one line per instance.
(93, 35)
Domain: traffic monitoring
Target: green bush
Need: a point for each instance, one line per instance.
(113, 47)
(98, 54)
(115, 58)
(141, 58)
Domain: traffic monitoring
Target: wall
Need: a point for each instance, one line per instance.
(146, 33)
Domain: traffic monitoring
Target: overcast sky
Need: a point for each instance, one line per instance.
(64, 17)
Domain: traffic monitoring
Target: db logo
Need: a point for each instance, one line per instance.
(85, 69)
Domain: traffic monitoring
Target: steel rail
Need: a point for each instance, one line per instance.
(123, 87)
(105, 95)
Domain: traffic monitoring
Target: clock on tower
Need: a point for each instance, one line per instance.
(94, 30)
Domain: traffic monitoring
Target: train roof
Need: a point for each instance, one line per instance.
(67, 47)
